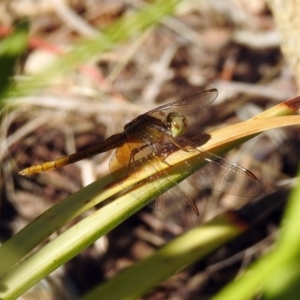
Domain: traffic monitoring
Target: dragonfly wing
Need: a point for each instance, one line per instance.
(173, 203)
(227, 177)
(186, 106)
(220, 174)
(176, 206)
(119, 160)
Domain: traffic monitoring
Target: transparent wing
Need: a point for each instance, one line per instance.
(226, 177)
(172, 203)
(186, 106)
(218, 173)
(176, 206)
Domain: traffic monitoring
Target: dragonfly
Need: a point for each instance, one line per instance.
(148, 139)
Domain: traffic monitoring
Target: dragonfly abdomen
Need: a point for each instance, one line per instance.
(110, 143)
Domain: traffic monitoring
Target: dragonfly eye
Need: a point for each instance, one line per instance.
(177, 124)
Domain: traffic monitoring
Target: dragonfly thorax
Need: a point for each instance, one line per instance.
(176, 124)
(150, 125)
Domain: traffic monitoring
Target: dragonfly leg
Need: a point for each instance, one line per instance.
(133, 153)
(162, 159)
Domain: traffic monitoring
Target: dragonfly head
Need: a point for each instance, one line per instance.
(177, 124)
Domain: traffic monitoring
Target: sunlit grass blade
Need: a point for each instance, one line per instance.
(177, 254)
